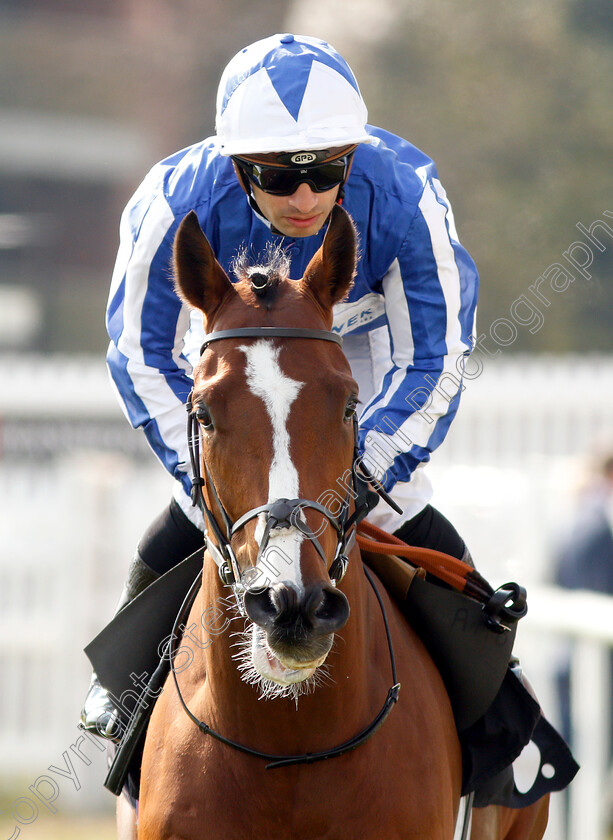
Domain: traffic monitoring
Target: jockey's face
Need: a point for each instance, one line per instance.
(295, 199)
(302, 213)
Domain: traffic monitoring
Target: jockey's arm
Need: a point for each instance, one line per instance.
(147, 324)
(430, 294)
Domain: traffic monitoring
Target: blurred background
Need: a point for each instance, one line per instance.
(514, 102)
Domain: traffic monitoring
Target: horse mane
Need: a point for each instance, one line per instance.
(264, 274)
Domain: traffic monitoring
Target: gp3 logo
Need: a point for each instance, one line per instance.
(303, 157)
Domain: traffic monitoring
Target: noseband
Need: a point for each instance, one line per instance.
(281, 513)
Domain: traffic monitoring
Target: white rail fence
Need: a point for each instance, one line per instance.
(585, 619)
(77, 489)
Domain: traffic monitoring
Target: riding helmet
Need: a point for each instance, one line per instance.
(288, 93)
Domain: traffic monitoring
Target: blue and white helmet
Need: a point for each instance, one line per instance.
(288, 93)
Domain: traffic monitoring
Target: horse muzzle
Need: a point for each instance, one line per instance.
(299, 625)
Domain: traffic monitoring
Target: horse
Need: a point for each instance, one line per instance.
(301, 703)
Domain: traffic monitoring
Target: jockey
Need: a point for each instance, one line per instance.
(291, 141)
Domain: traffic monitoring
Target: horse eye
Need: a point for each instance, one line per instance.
(351, 408)
(204, 418)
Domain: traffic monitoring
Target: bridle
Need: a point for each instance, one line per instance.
(281, 513)
(275, 760)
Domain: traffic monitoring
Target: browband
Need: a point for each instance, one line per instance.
(270, 332)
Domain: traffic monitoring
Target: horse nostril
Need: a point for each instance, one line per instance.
(279, 603)
(321, 610)
(260, 608)
(331, 611)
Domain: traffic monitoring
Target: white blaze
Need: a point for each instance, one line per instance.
(267, 381)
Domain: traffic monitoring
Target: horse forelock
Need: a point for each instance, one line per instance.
(263, 274)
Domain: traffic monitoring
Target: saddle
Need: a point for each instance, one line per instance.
(468, 628)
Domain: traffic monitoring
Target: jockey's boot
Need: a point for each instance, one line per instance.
(99, 714)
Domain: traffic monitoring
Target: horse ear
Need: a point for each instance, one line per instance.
(330, 273)
(199, 279)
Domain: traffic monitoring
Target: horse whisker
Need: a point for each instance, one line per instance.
(269, 689)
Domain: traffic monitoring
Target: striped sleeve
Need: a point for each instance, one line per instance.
(146, 323)
(430, 294)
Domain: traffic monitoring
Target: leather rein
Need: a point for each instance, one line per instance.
(282, 513)
(275, 760)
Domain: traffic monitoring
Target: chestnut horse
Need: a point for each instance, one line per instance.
(308, 652)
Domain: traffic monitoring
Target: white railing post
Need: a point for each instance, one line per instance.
(590, 715)
(586, 618)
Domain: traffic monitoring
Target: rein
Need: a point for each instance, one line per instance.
(457, 573)
(287, 760)
(506, 604)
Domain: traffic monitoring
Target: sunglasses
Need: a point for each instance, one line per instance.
(278, 180)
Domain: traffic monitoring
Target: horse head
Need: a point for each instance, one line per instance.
(276, 417)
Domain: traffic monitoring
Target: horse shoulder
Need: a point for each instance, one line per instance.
(421, 730)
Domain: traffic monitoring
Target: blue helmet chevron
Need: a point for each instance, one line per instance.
(288, 93)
